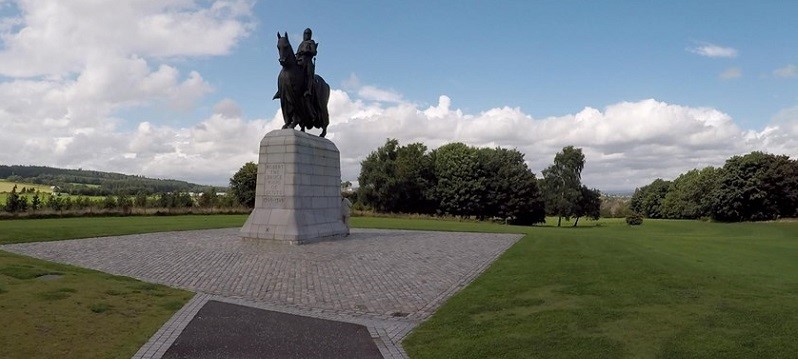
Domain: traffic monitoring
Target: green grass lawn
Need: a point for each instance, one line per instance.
(84, 313)
(39, 230)
(670, 289)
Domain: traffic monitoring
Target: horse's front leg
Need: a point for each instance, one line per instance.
(287, 114)
(295, 122)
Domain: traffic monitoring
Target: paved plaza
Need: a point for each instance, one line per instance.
(386, 280)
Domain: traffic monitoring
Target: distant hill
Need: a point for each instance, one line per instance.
(95, 183)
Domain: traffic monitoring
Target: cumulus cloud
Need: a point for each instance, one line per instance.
(372, 93)
(56, 37)
(627, 144)
(712, 50)
(731, 73)
(369, 92)
(786, 71)
(66, 76)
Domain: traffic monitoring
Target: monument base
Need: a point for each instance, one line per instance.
(298, 193)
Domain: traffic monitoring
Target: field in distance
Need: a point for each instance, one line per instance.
(7, 186)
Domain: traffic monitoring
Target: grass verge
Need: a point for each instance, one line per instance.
(51, 310)
(672, 289)
(52, 229)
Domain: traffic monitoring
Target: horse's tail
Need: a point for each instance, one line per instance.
(323, 97)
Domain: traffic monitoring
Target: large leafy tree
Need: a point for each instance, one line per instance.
(757, 186)
(460, 181)
(243, 184)
(589, 204)
(510, 189)
(647, 200)
(690, 194)
(562, 183)
(397, 179)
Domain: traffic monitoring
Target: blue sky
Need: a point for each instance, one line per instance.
(182, 88)
(546, 57)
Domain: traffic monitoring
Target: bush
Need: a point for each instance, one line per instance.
(634, 219)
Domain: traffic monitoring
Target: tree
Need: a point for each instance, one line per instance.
(109, 202)
(36, 202)
(140, 200)
(67, 203)
(589, 204)
(562, 183)
(415, 178)
(460, 183)
(55, 202)
(647, 200)
(397, 179)
(690, 194)
(166, 200)
(82, 202)
(243, 184)
(124, 202)
(757, 186)
(184, 200)
(208, 198)
(22, 205)
(12, 201)
(510, 189)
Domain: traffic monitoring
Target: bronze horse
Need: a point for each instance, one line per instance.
(307, 112)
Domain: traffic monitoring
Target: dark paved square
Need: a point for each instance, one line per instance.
(223, 330)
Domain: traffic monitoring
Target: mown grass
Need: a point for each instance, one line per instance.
(51, 310)
(670, 289)
(39, 230)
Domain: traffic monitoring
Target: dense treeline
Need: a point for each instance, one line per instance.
(32, 204)
(754, 187)
(95, 183)
(454, 179)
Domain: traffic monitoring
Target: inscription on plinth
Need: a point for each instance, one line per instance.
(274, 185)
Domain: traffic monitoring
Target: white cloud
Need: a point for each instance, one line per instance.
(712, 50)
(627, 144)
(370, 93)
(786, 71)
(69, 74)
(56, 37)
(731, 73)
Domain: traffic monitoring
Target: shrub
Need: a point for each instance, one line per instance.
(634, 219)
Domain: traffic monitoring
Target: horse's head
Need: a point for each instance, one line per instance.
(285, 50)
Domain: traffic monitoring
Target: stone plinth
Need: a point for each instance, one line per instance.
(298, 196)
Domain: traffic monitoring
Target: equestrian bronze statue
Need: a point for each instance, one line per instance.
(303, 94)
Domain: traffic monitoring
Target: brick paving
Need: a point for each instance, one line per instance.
(387, 280)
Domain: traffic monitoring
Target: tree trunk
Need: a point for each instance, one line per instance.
(576, 221)
(559, 220)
